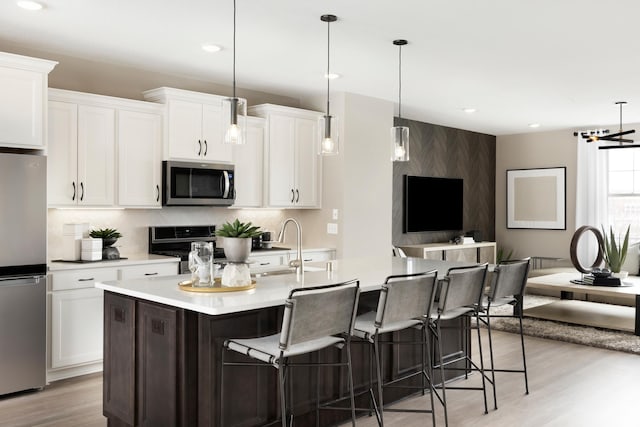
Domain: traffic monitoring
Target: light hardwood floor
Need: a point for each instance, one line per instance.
(570, 385)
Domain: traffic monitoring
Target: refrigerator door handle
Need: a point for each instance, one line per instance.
(22, 280)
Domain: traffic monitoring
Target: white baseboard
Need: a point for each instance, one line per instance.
(74, 371)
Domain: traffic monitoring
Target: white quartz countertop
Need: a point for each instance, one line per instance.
(135, 259)
(272, 291)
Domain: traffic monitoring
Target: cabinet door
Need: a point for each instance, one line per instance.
(212, 133)
(462, 254)
(139, 159)
(185, 130)
(96, 155)
(281, 160)
(62, 165)
(306, 164)
(248, 161)
(76, 327)
(21, 108)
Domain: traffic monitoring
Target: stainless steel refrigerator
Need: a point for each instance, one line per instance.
(23, 264)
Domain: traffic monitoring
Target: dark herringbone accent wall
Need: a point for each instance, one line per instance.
(449, 153)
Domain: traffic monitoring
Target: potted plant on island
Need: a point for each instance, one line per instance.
(614, 252)
(237, 239)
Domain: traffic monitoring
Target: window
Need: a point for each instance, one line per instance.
(623, 191)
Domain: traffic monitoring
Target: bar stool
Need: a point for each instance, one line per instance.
(405, 302)
(460, 294)
(314, 318)
(507, 287)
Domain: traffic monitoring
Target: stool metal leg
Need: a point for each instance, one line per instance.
(524, 360)
(221, 409)
(484, 384)
(442, 378)
(283, 393)
(493, 372)
(378, 361)
(351, 386)
(425, 343)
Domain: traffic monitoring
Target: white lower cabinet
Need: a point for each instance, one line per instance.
(76, 327)
(76, 315)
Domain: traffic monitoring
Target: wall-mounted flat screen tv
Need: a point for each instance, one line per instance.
(432, 204)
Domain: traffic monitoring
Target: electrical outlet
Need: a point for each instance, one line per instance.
(334, 215)
(332, 228)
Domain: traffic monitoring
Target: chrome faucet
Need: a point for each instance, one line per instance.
(297, 263)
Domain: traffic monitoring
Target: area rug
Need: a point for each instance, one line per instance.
(549, 329)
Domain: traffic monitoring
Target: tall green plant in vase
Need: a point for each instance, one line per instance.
(615, 253)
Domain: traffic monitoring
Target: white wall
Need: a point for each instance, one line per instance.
(358, 181)
(538, 150)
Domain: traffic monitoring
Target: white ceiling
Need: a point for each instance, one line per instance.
(562, 64)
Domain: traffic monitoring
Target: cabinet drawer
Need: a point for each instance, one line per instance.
(78, 279)
(315, 256)
(148, 270)
(265, 261)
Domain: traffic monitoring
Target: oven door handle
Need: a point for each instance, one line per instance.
(227, 185)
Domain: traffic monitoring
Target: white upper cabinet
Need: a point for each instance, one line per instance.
(292, 166)
(23, 103)
(248, 160)
(81, 166)
(193, 125)
(87, 134)
(139, 136)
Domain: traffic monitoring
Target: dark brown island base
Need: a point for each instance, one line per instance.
(162, 350)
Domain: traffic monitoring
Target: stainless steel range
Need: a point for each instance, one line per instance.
(176, 241)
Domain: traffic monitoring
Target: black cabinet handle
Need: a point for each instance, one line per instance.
(297, 196)
(157, 193)
(86, 280)
(265, 263)
(200, 147)
(74, 191)
(150, 274)
(206, 147)
(293, 195)
(82, 191)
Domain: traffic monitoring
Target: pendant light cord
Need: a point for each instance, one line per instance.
(234, 48)
(399, 81)
(328, 63)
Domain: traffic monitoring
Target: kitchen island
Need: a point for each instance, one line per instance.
(162, 348)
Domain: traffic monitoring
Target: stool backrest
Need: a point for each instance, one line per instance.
(321, 311)
(462, 287)
(406, 297)
(509, 279)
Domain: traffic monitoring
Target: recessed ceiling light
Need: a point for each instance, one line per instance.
(469, 110)
(332, 76)
(209, 47)
(29, 5)
(534, 125)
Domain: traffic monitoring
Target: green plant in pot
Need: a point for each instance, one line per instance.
(615, 253)
(108, 235)
(237, 239)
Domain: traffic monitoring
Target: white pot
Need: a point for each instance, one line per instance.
(237, 249)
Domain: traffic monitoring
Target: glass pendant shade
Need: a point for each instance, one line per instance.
(329, 140)
(400, 144)
(234, 120)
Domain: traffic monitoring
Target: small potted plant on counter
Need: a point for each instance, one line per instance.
(109, 236)
(615, 253)
(237, 239)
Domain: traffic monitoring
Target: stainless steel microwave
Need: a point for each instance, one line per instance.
(197, 184)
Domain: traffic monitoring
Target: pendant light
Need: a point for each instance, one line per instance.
(328, 125)
(234, 108)
(399, 134)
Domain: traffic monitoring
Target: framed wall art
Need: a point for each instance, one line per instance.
(536, 198)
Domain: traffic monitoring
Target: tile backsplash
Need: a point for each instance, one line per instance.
(134, 223)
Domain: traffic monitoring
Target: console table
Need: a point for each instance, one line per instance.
(608, 316)
(467, 252)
